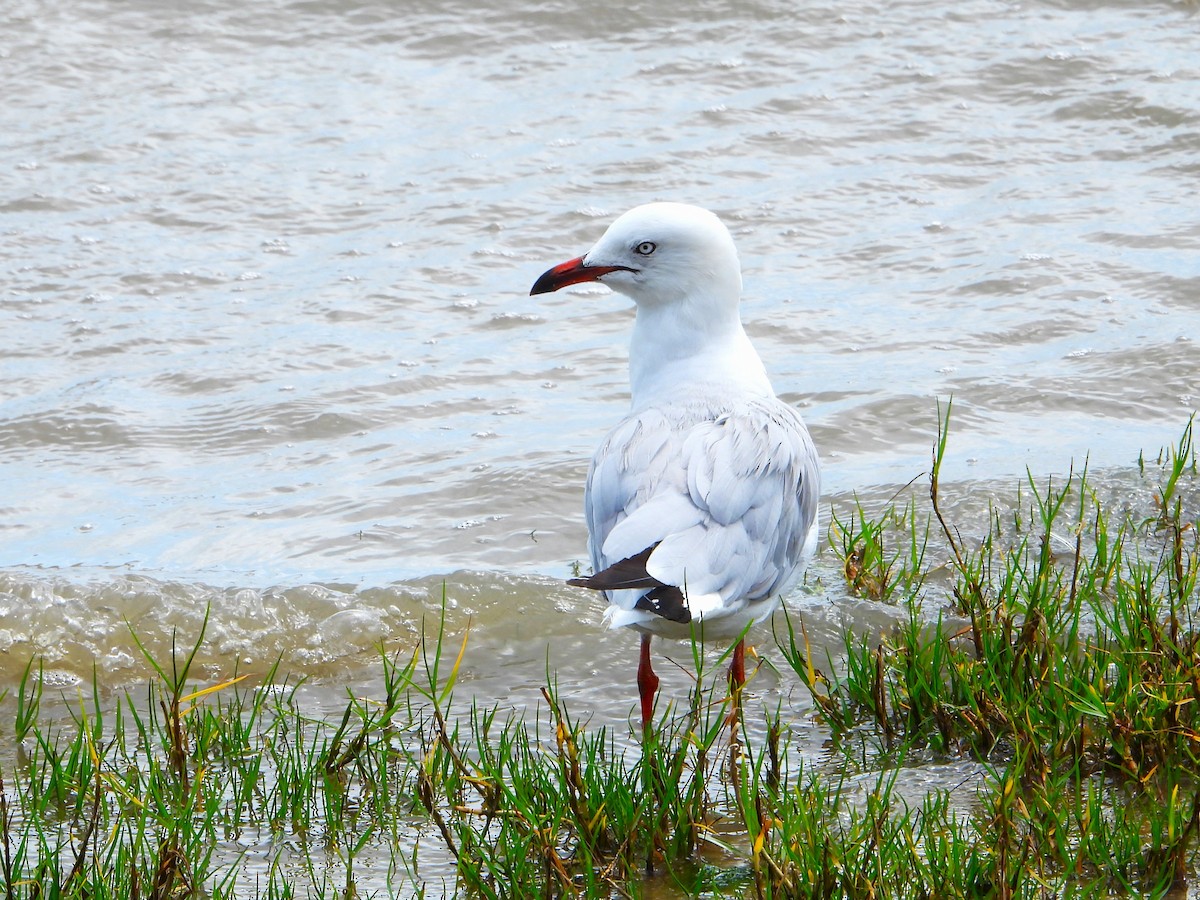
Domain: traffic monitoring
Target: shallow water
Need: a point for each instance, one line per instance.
(267, 338)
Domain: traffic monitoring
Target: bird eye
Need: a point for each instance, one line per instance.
(645, 248)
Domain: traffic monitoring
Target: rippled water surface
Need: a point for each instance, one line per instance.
(267, 343)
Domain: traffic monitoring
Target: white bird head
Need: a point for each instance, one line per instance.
(679, 265)
(660, 254)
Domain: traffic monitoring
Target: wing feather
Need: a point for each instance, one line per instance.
(728, 492)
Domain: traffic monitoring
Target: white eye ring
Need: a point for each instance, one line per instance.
(645, 248)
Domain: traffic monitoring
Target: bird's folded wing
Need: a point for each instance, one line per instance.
(728, 500)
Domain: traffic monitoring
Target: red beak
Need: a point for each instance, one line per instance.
(573, 271)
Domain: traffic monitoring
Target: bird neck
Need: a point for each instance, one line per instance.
(672, 353)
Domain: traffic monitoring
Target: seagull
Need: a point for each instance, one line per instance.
(701, 503)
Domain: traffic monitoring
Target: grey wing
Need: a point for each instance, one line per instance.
(730, 501)
(629, 466)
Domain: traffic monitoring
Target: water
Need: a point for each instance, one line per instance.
(267, 338)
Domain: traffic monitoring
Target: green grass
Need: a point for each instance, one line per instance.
(1048, 652)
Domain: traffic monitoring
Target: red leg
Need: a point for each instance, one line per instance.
(737, 678)
(647, 683)
(737, 668)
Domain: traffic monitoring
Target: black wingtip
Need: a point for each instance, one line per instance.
(666, 601)
(626, 574)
